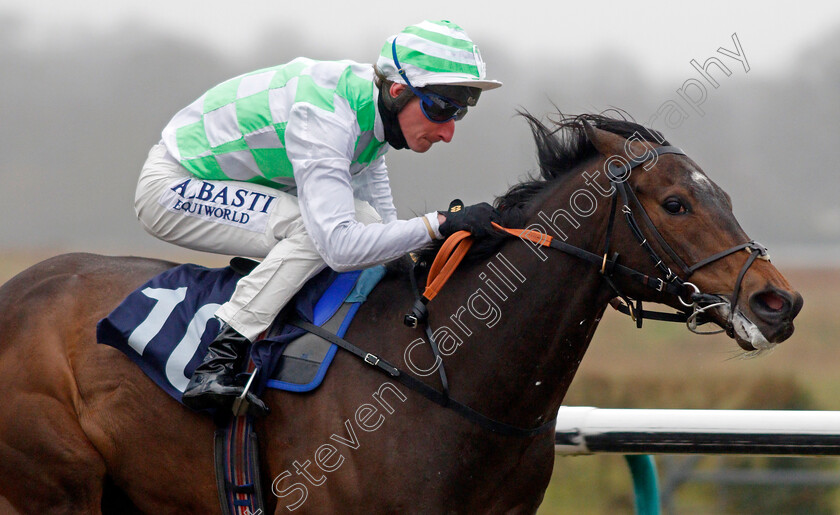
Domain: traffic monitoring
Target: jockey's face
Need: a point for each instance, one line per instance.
(420, 133)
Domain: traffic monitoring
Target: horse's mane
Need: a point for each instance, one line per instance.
(562, 145)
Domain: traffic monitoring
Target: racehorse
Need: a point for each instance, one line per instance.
(82, 430)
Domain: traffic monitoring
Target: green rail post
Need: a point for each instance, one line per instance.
(645, 483)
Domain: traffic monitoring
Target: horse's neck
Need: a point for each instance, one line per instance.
(526, 344)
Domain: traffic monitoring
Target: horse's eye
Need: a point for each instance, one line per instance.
(674, 206)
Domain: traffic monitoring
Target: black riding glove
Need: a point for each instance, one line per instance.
(475, 219)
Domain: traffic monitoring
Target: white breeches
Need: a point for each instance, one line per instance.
(234, 218)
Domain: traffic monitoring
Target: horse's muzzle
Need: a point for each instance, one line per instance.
(775, 310)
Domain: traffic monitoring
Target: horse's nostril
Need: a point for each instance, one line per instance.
(775, 306)
(771, 301)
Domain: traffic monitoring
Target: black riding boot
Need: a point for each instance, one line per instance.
(214, 384)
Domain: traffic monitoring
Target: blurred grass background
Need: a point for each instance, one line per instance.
(665, 366)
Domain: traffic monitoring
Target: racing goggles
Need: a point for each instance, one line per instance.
(438, 108)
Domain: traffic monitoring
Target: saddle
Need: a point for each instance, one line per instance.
(166, 325)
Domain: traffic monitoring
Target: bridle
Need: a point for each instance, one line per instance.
(695, 302)
(688, 294)
(456, 247)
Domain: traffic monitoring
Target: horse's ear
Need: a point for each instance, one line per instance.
(607, 143)
(610, 144)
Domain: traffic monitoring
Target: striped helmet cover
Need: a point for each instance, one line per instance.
(435, 52)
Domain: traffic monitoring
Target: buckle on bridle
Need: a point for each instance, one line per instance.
(370, 359)
(755, 246)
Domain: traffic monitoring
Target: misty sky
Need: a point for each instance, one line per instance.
(86, 87)
(658, 35)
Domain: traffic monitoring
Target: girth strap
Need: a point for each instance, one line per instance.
(237, 466)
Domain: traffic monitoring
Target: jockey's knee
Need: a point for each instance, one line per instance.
(148, 215)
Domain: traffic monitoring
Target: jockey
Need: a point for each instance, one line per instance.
(287, 164)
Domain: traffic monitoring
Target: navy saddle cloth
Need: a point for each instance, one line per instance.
(166, 325)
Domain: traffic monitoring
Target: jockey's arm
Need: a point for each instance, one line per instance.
(320, 149)
(374, 187)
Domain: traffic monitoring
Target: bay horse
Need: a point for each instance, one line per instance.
(83, 431)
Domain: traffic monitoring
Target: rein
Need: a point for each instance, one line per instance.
(688, 294)
(447, 260)
(456, 246)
